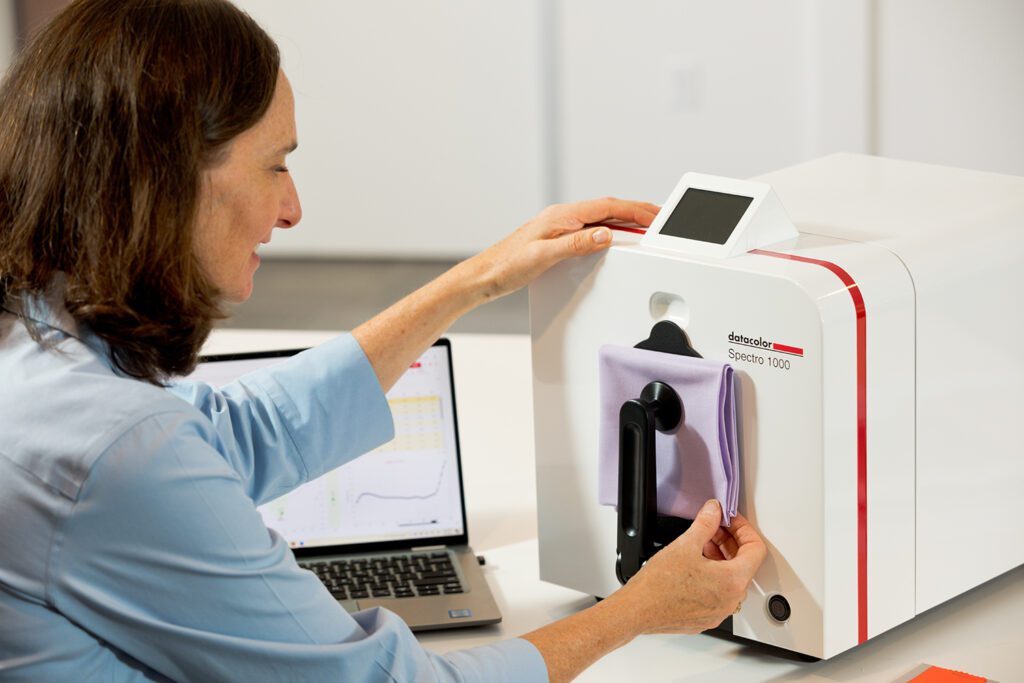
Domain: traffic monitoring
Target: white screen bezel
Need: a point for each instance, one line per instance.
(699, 181)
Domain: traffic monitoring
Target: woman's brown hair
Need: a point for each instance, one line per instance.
(107, 119)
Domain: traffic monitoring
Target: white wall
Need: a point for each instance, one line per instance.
(951, 82)
(653, 88)
(431, 128)
(419, 123)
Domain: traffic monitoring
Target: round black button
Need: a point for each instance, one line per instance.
(779, 608)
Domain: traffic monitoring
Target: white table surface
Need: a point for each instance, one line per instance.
(981, 632)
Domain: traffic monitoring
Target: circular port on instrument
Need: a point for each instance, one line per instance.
(778, 608)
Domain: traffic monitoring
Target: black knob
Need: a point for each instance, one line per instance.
(669, 409)
(779, 608)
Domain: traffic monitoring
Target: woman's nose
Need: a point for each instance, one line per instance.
(291, 208)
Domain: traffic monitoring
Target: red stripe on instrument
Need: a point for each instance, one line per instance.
(862, 431)
(795, 350)
(623, 228)
(638, 229)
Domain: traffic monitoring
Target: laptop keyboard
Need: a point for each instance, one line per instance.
(404, 575)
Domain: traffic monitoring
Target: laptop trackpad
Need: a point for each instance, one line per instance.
(349, 605)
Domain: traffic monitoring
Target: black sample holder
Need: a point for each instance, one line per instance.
(642, 532)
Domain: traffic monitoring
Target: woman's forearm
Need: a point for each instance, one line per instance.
(395, 338)
(572, 644)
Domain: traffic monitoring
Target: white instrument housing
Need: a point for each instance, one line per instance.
(878, 379)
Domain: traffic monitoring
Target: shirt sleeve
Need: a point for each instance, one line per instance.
(164, 556)
(282, 426)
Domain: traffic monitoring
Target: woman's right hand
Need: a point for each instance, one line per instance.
(691, 585)
(699, 579)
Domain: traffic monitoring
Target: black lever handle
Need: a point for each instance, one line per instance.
(658, 408)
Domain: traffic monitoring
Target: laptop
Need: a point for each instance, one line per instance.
(387, 529)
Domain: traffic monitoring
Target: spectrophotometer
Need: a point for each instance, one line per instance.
(869, 312)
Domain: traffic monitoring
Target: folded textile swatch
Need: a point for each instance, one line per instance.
(698, 460)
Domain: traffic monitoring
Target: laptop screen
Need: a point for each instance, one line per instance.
(406, 492)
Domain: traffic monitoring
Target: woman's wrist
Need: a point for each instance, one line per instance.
(628, 612)
(475, 278)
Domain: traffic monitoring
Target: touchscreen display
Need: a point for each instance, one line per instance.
(706, 216)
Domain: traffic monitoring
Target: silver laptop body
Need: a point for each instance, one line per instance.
(389, 528)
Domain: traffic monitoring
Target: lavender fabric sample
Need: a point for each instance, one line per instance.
(698, 460)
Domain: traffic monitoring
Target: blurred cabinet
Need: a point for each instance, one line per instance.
(653, 88)
(430, 128)
(951, 83)
(419, 123)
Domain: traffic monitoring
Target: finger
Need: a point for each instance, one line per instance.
(705, 525)
(548, 252)
(595, 210)
(583, 242)
(743, 531)
(725, 542)
(751, 549)
(713, 552)
(720, 535)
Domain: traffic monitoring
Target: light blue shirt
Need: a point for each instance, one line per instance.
(130, 544)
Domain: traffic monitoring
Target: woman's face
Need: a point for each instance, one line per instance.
(246, 196)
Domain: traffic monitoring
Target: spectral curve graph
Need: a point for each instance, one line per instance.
(426, 496)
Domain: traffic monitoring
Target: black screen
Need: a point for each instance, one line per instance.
(706, 216)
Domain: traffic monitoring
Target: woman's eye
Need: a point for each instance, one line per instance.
(280, 169)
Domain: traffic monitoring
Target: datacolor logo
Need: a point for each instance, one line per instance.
(761, 343)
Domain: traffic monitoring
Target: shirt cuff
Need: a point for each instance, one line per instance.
(333, 404)
(508, 661)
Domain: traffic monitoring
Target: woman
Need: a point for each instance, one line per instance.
(142, 163)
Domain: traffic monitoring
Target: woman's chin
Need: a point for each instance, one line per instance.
(239, 293)
(242, 290)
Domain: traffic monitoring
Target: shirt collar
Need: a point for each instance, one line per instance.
(57, 324)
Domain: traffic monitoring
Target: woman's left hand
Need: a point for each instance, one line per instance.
(555, 234)
(397, 337)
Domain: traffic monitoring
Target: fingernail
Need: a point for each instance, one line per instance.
(712, 506)
(601, 235)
